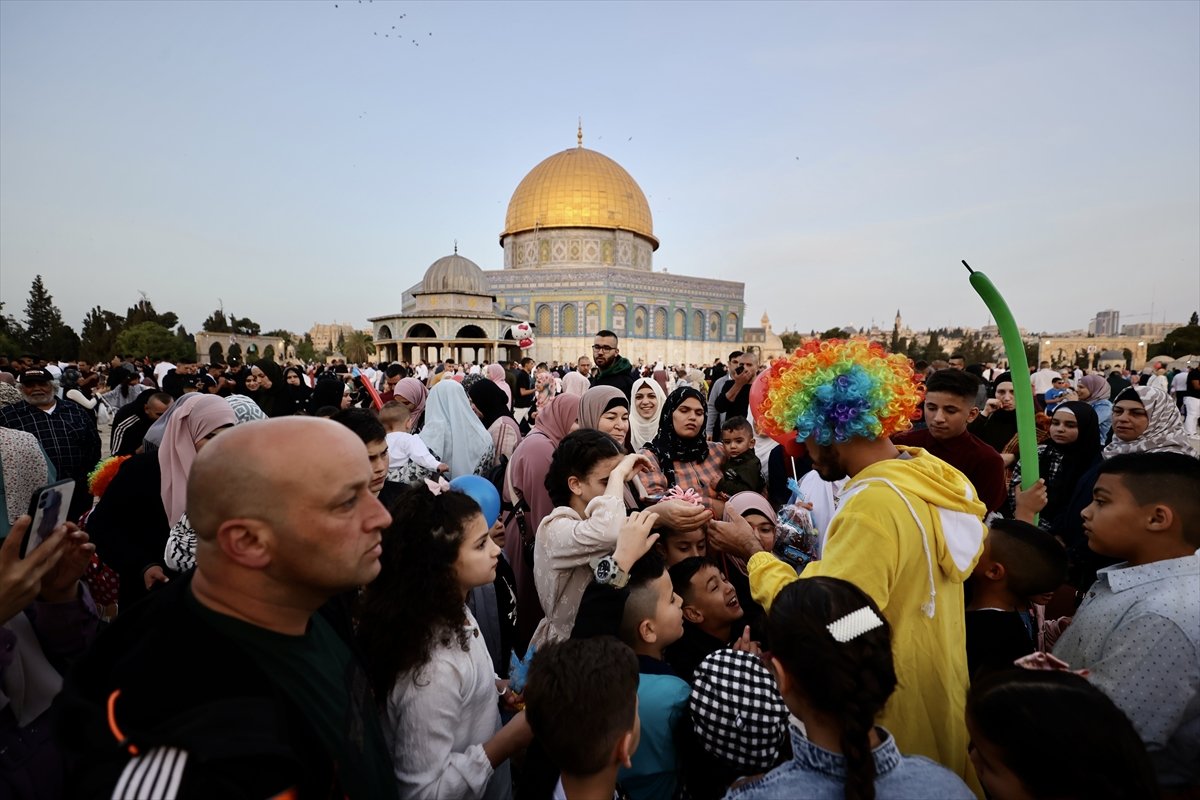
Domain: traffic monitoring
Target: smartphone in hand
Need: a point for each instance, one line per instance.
(49, 508)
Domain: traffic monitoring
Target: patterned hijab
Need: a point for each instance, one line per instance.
(1165, 432)
(668, 446)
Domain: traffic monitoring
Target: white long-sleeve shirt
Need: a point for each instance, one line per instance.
(407, 448)
(439, 718)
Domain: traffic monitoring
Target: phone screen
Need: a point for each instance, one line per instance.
(49, 509)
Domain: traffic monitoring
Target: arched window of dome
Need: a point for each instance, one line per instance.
(698, 325)
(680, 328)
(471, 332)
(545, 321)
(421, 331)
(592, 319)
(619, 315)
(215, 353)
(385, 332)
(570, 320)
(714, 326)
(660, 323)
(639, 321)
(269, 352)
(731, 326)
(520, 312)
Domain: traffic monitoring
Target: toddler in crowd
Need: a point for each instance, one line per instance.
(743, 470)
(1019, 562)
(1137, 632)
(405, 448)
(600, 675)
(832, 657)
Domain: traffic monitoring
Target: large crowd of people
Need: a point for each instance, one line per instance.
(821, 576)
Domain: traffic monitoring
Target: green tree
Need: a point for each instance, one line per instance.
(1194, 320)
(244, 325)
(216, 322)
(933, 348)
(976, 351)
(357, 347)
(151, 339)
(306, 351)
(99, 335)
(1179, 342)
(12, 336)
(791, 340)
(835, 333)
(45, 331)
(280, 333)
(143, 311)
(341, 342)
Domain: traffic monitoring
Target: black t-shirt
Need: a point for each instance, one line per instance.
(319, 673)
(995, 639)
(524, 381)
(1192, 379)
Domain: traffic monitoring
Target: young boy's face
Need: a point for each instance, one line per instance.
(1113, 522)
(668, 612)
(711, 599)
(947, 415)
(736, 441)
(685, 545)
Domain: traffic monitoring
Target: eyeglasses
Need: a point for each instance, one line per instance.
(603, 348)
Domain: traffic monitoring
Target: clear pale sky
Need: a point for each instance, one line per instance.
(838, 158)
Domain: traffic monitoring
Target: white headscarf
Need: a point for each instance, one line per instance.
(1164, 434)
(643, 431)
(453, 432)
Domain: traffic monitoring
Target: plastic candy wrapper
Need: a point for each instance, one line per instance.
(518, 669)
(686, 495)
(796, 540)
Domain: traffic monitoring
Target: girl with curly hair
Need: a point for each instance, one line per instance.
(426, 659)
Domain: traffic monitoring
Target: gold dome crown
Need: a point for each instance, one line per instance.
(579, 188)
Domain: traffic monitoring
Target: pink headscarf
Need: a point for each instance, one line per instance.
(556, 418)
(743, 502)
(496, 374)
(190, 423)
(414, 392)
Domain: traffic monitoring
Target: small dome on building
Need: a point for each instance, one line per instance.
(453, 273)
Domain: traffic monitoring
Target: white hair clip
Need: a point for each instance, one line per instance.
(438, 486)
(854, 624)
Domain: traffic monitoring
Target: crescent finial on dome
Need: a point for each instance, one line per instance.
(579, 133)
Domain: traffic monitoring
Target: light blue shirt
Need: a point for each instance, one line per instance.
(818, 774)
(1138, 632)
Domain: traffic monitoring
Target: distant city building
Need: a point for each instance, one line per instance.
(1105, 323)
(763, 341)
(325, 337)
(1154, 331)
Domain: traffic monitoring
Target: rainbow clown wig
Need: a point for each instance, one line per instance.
(837, 390)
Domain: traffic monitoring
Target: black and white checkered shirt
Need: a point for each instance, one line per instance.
(68, 435)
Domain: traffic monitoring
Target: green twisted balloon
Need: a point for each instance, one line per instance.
(1018, 365)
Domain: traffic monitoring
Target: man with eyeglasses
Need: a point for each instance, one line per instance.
(614, 369)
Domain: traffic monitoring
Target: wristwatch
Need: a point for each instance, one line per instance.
(609, 573)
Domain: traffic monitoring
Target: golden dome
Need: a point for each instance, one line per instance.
(579, 188)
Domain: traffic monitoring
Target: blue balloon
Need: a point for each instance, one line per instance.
(482, 492)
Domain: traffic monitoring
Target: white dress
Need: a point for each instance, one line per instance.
(437, 721)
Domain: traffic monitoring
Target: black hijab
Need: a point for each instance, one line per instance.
(297, 395)
(328, 392)
(668, 446)
(1078, 457)
(491, 401)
